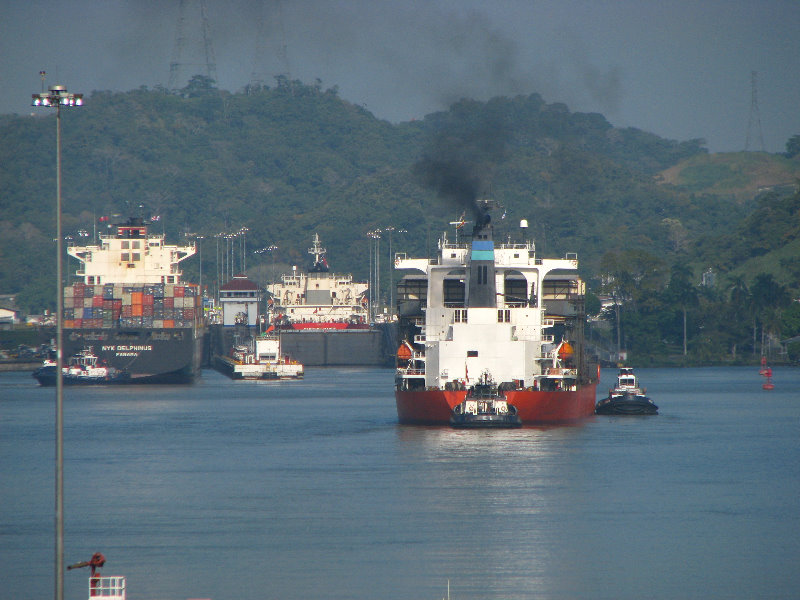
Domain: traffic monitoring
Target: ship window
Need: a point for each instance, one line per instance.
(472, 353)
(504, 316)
(126, 256)
(131, 265)
(137, 256)
(135, 245)
(170, 279)
(126, 245)
(90, 279)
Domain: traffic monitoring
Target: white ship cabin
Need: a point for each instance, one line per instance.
(319, 295)
(485, 306)
(626, 379)
(131, 256)
(239, 298)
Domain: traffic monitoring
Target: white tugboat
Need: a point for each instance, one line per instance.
(83, 369)
(626, 397)
(260, 358)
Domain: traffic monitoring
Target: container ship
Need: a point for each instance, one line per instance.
(131, 307)
(323, 317)
(485, 311)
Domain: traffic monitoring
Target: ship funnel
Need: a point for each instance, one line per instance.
(482, 288)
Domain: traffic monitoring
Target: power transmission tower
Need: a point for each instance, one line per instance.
(270, 29)
(197, 48)
(754, 123)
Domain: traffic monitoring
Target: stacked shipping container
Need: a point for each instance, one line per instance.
(111, 306)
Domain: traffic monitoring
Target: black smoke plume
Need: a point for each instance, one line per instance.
(460, 160)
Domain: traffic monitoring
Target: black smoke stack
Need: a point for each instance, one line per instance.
(483, 220)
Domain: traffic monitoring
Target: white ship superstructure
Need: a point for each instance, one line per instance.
(319, 296)
(131, 256)
(490, 308)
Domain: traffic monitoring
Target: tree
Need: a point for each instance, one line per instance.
(198, 85)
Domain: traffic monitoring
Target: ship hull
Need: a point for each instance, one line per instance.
(435, 407)
(341, 347)
(148, 355)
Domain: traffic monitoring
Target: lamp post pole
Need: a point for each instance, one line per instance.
(199, 239)
(58, 96)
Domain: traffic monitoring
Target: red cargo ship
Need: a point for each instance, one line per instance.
(496, 311)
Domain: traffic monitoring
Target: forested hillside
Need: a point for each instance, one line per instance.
(294, 159)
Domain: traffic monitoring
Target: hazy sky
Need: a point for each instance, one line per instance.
(679, 68)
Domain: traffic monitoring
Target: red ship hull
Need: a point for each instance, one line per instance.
(434, 407)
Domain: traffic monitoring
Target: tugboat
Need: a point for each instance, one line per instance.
(259, 358)
(488, 305)
(485, 407)
(626, 397)
(83, 369)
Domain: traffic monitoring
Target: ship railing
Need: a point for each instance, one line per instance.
(109, 588)
(418, 356)
(516, 246)
(561, 372)
(514, 304)
(548, 338)
(419, 338)
(410, 372)
(548, 323)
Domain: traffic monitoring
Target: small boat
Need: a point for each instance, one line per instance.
(485, 406)
(259, 358)
(82, 369)
(626, 397)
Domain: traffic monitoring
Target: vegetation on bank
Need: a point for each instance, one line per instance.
(647, 216)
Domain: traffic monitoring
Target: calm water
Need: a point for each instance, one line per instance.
(310, 490)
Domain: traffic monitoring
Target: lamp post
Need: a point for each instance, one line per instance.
(374, 271)
(57, 96)
(271, 249)
(390, 230)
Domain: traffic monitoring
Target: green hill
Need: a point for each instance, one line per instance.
(287, 161)
(737, 175)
